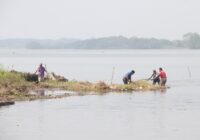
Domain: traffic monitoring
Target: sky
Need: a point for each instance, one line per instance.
(54, 19)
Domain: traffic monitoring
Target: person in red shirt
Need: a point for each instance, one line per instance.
(163, 77)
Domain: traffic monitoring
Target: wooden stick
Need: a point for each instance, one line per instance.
(113, 71)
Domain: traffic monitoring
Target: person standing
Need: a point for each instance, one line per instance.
(155, 77)
(163, 77)
(40, 72)
(127, 77)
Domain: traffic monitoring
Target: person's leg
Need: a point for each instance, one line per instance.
(158, 81)
(39, 78)
(125, 80)
(161, 82)
(42, 78)
(154, 81)
(164, 81)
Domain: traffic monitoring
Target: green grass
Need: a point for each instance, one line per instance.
(76, 86)
(16, 86)
(13, 86)
(10, 78)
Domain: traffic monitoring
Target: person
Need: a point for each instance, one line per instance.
(163, 77)
(155, 77)
(40, 72)
(127, 77)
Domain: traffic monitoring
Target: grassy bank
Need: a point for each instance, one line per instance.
(140, 85)
(13, 86)
(17, 86)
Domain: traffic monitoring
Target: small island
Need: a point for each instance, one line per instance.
(18, 86)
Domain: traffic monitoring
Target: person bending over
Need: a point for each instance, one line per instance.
(155, 77)
(127, 77)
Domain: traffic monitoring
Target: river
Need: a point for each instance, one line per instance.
(162, 115)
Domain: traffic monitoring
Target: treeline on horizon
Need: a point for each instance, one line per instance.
(189, 41)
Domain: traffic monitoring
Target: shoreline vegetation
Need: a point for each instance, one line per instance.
(17, 86)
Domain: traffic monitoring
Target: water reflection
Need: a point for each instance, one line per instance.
(52, 92)
(137, 115)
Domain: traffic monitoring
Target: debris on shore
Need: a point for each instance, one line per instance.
(5, 103)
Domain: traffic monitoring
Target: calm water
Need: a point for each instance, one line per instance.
(161, 115)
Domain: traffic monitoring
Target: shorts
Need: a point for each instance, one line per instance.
(163, 81)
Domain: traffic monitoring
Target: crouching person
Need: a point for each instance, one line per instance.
(127, 77)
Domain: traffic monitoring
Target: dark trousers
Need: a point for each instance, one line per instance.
(125, 80)
(156, 80)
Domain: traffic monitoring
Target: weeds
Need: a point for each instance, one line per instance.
(16, 85)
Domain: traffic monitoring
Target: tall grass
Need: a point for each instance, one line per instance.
(7, 77)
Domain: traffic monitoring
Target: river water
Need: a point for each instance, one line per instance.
(162, 115)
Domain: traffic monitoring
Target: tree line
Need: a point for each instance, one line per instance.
(188, 41)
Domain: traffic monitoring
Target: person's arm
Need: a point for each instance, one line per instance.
(158, 75)
(150, 77)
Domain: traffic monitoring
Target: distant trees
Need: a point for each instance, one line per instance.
(120, 42)
(191, 40)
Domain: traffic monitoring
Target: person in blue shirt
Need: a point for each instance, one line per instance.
(127, 77)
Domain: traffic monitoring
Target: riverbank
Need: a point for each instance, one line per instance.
(17, 86)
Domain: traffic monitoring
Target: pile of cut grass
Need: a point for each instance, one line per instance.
(77, 86)
(141, 85)
(135, 86)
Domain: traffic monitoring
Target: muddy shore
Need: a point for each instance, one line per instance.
(17, 86)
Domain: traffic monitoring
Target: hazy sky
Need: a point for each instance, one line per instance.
(54, 19)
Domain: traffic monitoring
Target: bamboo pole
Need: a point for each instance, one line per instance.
(112, 77)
